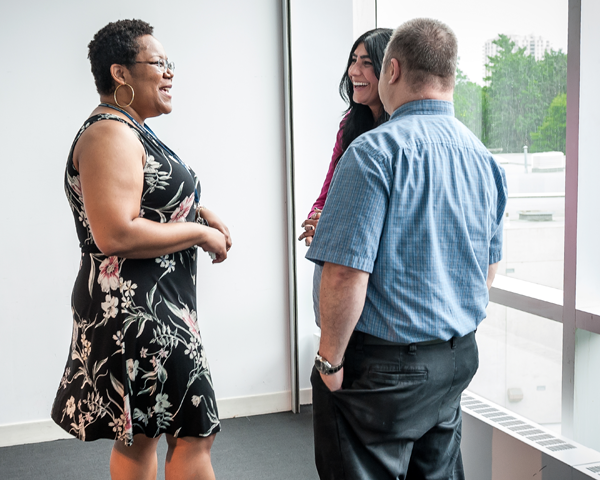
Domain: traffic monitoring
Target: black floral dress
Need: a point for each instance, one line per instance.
(136, 362)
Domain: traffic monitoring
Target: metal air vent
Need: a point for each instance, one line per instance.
(530, 431)
(594, 469)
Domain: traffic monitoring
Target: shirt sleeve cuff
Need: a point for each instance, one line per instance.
(495, 257)
(358, 263)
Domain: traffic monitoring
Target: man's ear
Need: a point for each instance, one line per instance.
(395, 70)
(118, 73)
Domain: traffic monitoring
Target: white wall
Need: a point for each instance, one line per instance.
(588, 224)
(322, 36)
(227, 124)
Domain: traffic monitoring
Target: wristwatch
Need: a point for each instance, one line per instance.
(326, 368)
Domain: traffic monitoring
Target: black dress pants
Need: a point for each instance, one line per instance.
(398, 413)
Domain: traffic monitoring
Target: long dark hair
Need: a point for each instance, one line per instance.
(360, 117)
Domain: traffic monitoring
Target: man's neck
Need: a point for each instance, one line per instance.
(405, 95)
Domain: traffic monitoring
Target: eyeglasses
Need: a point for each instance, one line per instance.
(162, 64)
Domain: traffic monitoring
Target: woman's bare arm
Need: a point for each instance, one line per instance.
(110, 161)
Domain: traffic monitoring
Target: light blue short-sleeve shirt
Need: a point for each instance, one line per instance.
(418, 203)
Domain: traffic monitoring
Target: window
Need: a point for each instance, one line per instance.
(540, 345)
(511, 92)
(520, 364)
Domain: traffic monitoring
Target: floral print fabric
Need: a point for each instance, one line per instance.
(136, 362)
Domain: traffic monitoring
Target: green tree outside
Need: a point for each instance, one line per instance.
(468, 103)
(514, 98)
(551, 136)
(510, 111)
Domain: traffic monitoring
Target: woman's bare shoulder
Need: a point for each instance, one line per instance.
(109, 136)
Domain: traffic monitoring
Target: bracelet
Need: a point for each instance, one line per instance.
(199, 218)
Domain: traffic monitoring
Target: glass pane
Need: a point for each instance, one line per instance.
(511, 92)
(534, 224)
(520, 364)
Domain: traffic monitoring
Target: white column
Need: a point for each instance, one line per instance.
(364, 16)
(586, 421)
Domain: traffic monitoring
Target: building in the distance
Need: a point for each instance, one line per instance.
(534, 45)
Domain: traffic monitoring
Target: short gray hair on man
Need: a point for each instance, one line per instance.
(427, 51)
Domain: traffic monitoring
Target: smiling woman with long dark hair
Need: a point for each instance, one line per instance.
(136, 367)
(365, 110)
(359, 88)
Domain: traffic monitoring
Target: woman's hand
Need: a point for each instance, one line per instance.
(214, 241)
(310, 226)
(215, 222)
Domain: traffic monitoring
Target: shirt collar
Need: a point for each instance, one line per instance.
(425, 107)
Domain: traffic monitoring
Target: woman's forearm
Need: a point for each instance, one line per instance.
(142, 238)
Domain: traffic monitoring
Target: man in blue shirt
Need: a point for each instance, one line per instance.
(410, 239)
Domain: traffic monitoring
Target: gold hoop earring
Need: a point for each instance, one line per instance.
(132, 95)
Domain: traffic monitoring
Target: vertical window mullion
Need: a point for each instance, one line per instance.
(571, 195)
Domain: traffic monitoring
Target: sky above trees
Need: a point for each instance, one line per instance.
(475, 21)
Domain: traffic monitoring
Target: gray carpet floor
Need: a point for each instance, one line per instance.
(266, 447)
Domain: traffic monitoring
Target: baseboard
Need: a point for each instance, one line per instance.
(306, 396)
(254, 405)
(47, 430)
(261, 404)
(31, 432)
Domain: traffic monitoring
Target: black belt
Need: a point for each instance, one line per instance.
(368, 339)
(359, 339)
